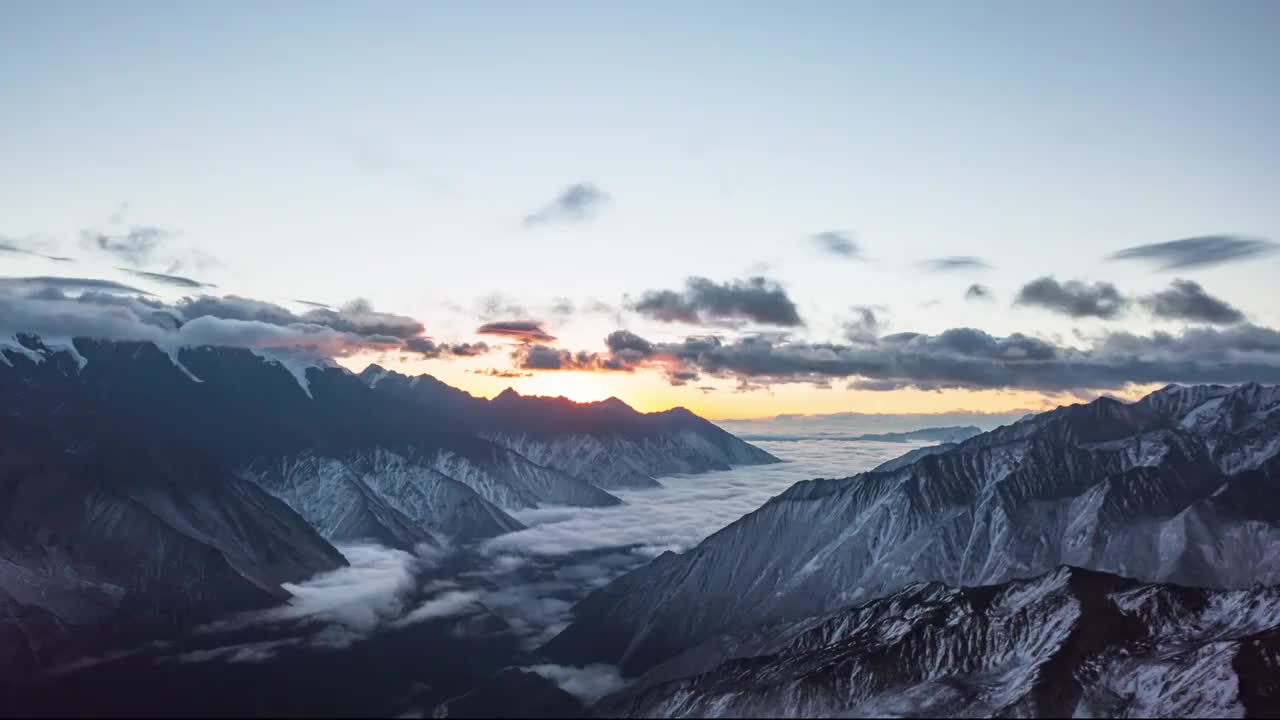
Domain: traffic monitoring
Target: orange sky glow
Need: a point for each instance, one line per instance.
(719, 399)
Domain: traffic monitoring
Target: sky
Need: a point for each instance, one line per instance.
(797, 175)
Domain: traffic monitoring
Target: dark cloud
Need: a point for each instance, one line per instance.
(430, 349)
(1186, 300)
(977, 291)
(955, 262)
(864, 327)
(15, 247)
(526, 331)
(836, 242)
(542, 357)
(175, 280)
(1197, 251)
(136, 246)
(576, 203)
(1074, 298)
(704, 302)
(468, 349)
(627, 341)
(235, 307)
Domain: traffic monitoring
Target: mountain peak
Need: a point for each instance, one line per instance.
(507, 395)
(613, 403)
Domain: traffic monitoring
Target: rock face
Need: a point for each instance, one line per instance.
(1070, 643)
(1182, 486)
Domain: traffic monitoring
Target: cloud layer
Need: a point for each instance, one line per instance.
(956, 358)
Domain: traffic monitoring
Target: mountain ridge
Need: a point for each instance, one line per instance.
(1117, 487)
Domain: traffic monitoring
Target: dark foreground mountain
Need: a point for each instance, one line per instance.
(1070, 643)
(1182, 486)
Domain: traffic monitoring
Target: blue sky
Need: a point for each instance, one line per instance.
(390, 151)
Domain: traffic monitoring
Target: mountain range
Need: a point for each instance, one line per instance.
(1182, 486)
(144, 488)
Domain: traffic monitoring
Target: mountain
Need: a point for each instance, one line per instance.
(1069, 643)
(1182, 486)
(607, 444)
(353, 462)
(145, 490)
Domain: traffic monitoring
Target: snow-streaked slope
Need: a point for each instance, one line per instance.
(1068, 643)
(380, 495)
(1108, 486)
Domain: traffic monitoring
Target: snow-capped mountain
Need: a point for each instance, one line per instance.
(1069, 643)
(608, 444)
(1182, 486)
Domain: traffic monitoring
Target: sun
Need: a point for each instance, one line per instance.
(577, 386)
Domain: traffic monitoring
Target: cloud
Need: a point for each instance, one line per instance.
(136, 246)
(359, 317)
(108, 310)
(430, 349)
(499, 373)
(14, 247)
(1195, 252)
(1074, 298)
(704, 302)
(450, 603)
(542, 357)
(356, 317)
(175, 280)
(68, 284)
(562, 306)
(955, 262)
(836, 242)
(865, 327)
(978, 291)
(958, 358)
(1186, 300)
(589, 683)
(578, 202)
(495, 306)
(525, 331)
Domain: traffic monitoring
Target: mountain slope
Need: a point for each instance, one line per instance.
(1068, 643)
(120, 537)
(1183, 486)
